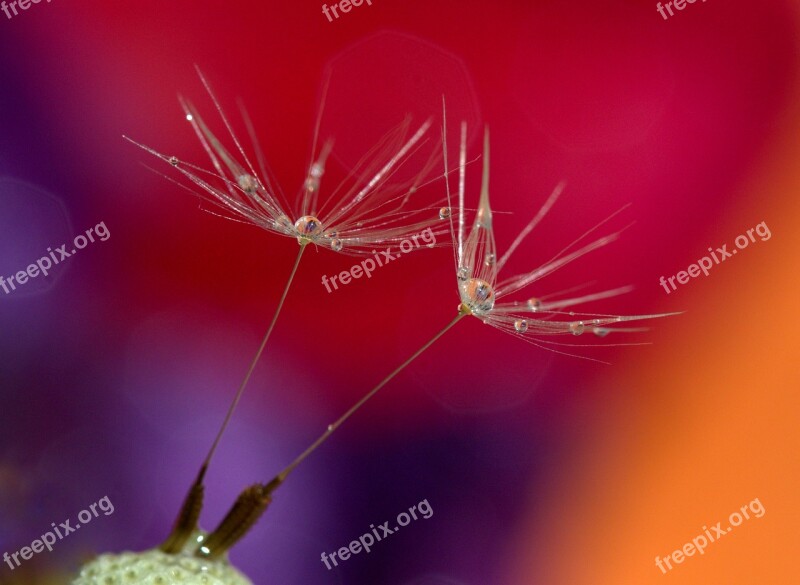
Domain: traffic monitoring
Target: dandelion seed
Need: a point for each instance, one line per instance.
(370, 210)
(482, 293)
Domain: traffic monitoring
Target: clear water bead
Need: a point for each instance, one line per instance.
(444, 213)
(489, 259)
(534, 304)
(173, 160)
(520, 325)
(577, 327)
(478, 295)
(463, 273)
(316, 170)
(308, 226)
(336, 245)
(601, 331)
(247, 183)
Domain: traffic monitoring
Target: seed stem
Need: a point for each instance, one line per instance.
(247, 376)
(332, 427)
(186, 522)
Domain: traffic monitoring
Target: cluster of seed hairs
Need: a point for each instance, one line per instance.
(477, 270)
(371, 208)
(371, 212)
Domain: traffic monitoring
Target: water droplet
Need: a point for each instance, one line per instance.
(332, 234)
(478, 295)
(173, 160)
(330, 428)
(308, 227)
(521, 325)
(444, 213)
(247, 183)
(463, 273)
(534, 304)
(189, 117)
(316, 170)
(601, 331)
(336, 245)
(596, 322)
(577, 327)
(489, 259)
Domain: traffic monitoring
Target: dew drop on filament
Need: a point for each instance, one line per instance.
(308, 226)
(463, 273)
(336, 245)
(444, 213)
(173, 160)
(478, 295)
(247, 183)
(521, 325)
(577, 327)
(534, 304)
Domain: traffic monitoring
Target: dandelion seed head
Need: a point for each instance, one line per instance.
(154, 566)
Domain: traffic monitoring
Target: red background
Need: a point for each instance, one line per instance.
(539, 468)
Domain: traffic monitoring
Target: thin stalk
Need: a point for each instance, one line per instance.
(332, 427)
(253, 501)
(186, 523)
(247, 376)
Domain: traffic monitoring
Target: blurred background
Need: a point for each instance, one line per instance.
(540, 468)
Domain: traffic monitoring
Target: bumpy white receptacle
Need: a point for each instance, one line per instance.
(154, 567)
